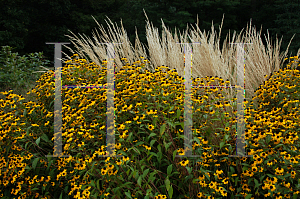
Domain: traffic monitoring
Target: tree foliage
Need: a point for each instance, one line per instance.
(286, 23)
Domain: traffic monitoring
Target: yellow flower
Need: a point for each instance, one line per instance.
(150, 127)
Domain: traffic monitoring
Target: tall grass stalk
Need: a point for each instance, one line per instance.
(207, 59)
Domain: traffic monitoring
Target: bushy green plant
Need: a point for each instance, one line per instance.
(149, 133)
(15, 70)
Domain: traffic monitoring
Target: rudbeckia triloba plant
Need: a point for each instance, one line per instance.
(149, 127)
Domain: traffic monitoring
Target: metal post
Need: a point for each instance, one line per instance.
(240, 151)
(110, 122)
(57, 102)
(110, 139)
(188, 122)
(240, 141)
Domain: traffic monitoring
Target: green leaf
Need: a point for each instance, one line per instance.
(152, 134)
(227, 124)
(248, 196)
(139, 192)
(135, 174)
(295, 196)
(222, 144)
(236, 182)
(162, 129)
(279, 145)
(141, 162)
(189, 169)
(270, 175)
(38, 141)
(159, 157)
(127, 172)
(256, 183)
(139, 181)
(159, 148)
(179, 123)
(115, 190)
(120, 178)
(98, 185)
(169, 169)
(226, 137)
(145, 173)
(171, 124)
(152, 142)
(167, 145)
(150, 157)
(174, 154)
(34, 163)
(171, 108)
(196, 139)
(216, 119)
(45, 138)
(154, 121)
(129, 137)
(195, 181)
(25, 112)
(286, 175)
(128, 194)
(27, 130)
(207, 176)
(167, 182)
(93, 183)
(152, 178)
(139, 143)
(135, 149)
(178, 113)
(26, 145)
(170, 191)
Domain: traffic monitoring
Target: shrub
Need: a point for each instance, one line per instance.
(38, 128)
(148, 115)
(18, 72)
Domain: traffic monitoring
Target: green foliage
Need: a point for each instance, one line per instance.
(16, 70)
(149, 134)
(286, 23)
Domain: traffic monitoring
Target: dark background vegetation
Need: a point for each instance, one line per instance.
(28, 25)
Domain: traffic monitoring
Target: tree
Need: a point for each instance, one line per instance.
(287, 24)
(13, 31)
(19, 26)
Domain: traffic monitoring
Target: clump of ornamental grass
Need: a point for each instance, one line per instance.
(149, 134)
(207, 57)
